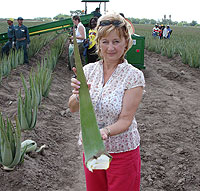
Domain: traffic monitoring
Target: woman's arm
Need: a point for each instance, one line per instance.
(73, 102)
(82, 34)
(81, 31)
(131, 101)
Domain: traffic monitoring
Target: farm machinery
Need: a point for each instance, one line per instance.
(51, 26)
(135, 55)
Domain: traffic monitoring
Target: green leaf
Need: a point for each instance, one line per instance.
(92, 141)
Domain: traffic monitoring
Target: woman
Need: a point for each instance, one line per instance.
(116, 89)
(80, 35)
(91, 52)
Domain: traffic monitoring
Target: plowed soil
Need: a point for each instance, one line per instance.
(168, 120)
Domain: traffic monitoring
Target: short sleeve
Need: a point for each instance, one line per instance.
(135, 78)
(86, 71)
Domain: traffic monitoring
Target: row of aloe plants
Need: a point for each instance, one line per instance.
(38, 42)
(39, 85)
(11, 149)
(184, 42)
(15, 58)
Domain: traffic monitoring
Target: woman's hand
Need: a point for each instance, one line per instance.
(105, 133)
(73, 103)
(75, 83)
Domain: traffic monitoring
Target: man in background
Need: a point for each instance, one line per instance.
(155, 30)
(6, 48)
(22, 38)
(96, 13)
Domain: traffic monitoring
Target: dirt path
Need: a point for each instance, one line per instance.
(168, 120)
(169, 123)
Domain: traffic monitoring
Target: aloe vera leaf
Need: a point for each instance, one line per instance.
(27, 102)
(17, 134)
(34, 112)
(92, 142)
(6, 152)
(11, 137)
(21, 113)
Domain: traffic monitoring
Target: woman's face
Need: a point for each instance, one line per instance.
(75, 22)
(93, 23)
(112, 47)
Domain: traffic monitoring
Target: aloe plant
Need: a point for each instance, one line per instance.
(27, 108)
(45, 78)
(11, 153)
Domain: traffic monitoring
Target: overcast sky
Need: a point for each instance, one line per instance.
(180, 10)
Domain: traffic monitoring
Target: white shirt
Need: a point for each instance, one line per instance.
(78, 33)
(107, 101)
(165, 33)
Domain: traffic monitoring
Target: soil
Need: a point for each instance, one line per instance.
(168, 120)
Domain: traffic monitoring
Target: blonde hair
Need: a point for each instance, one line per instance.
(122, 30)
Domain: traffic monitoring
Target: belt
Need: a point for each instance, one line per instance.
(20, 39)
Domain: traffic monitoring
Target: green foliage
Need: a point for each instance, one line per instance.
(11, 153)
(27, 108)
(161, 21)
(39, 86)
(184, 42)
(61, 17)
(10, 62)
(16, 57)
(37, 42)
(55, 51)
(77, 12)
(45, 77)
(92, 142)
(193, 23)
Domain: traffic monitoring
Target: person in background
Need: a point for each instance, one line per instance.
(160, 31)
(155, 31)
(169, 32)
(116, 89)
(22, 38)
(96, 13)
(91, 51)
(130, 24)
(80, 36)
(10, 43)
(165, 33)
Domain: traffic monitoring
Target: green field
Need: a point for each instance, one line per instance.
(184, 41)
(4, 25)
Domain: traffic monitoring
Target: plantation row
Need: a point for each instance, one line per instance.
(4, 25)
(16, 58)
(184, 41)
(11, 149)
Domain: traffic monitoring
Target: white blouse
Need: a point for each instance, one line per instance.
(78, 33)
(107, 101)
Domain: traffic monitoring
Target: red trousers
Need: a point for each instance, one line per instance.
(122, 175)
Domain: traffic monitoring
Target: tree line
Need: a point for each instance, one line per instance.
(133, 20)
(162, 21)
